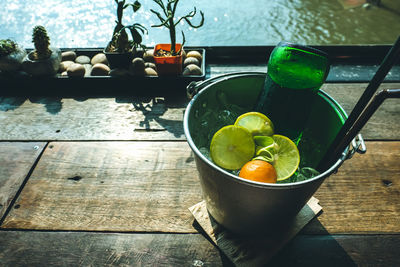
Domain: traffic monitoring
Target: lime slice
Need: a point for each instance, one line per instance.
(231, 147)
(263, 141)
(256, 122)
(265, 148)
(287, 158)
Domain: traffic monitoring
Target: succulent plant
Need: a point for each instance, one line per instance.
(11, 55)
(7, 47)
(169, 21)
(120, 41)
(41, 41)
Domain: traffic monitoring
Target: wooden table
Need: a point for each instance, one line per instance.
(108, 181)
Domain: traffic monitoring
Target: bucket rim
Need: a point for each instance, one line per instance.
(236, 178)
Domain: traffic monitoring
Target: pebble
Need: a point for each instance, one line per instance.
(88, 69)
(100, 69)
(137, 67)
(68, 56)
(150, 65)
(194, 54)
(138, 63)
(99, 58)
(192, 70)
(138, 52)
(119, 72)
(150, 72)
(191, 60)
(76, 70)
(83, 60)
(148, 56)
(64, 65)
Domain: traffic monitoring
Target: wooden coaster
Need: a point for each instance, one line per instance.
(251, 251)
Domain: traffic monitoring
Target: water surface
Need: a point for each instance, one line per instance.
(227, 22)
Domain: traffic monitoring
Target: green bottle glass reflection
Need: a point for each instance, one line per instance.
(295, 73)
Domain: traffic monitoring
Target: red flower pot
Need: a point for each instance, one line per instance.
(168, 65)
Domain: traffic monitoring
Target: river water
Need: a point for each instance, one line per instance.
(90, 23)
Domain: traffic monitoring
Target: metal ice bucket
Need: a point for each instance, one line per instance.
(244, 206)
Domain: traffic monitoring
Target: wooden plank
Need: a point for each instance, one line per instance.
(364, 195)
(98, 249)
(147, 186)
(27, 248)
(146, 119)
(110, 186)
(91, 119)
(340, 250)
(219, 69)
(16, 159)
(384, 124)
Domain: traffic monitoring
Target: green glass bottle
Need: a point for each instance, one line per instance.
(295, 73)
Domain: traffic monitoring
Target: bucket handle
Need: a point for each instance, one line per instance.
(357, 145)
(195, 87)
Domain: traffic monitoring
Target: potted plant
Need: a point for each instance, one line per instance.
(43, 60)
(120, 50)
(11, 55)
(168, 57)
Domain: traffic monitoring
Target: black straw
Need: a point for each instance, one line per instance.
(330, 157)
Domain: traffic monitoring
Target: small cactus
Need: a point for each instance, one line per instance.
(7, 47)
(41, 41)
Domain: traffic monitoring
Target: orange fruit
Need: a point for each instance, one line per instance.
(259, 171)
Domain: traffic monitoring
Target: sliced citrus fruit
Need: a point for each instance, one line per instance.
(263, 141)
(265, 148)
(256, 122)
(231, 147)
(286, 158)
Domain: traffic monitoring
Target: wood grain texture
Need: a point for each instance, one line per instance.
(16, 159)
(219, 69)
(91, 119)
(384, 124)
(98, 249)
(110, 186)
(29, 248)
(340, 250)
(149, 186)
(147, 118)
(364, 196)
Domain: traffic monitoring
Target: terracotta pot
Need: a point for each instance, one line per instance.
(118, 60)
(48, 66)
(13, 61)
(168, 65)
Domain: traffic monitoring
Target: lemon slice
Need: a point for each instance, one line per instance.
(264, 141)
(231, 147)
(256, 122)
(265, 148)
(286, 159)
